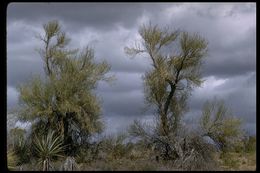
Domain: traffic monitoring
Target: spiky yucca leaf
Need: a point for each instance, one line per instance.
(48, 147)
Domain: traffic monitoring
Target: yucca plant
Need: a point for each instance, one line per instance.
(47, 148)
(11, 160)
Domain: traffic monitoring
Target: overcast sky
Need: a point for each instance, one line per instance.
(229, 70)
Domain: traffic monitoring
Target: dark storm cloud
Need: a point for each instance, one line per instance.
(101, 16)
(237, 57)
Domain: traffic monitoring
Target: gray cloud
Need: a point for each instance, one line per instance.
(123, 103)
(125, 82)
(23, 60)
(234, 58)
(20, 71)
(239, 94)
(101, 16)
(108, 27)
(12, 96)
(232, 38)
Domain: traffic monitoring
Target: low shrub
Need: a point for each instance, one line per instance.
(11, 160)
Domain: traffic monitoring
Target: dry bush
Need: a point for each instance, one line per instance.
(113, 147)
(197, 154)
(229, 161)
(218, 123)
(11, 160)
(70, 164)
(186, 150)
(89, 153)
(250, 144)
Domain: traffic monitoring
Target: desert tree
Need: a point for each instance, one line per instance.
(64, 99)
(176, 68)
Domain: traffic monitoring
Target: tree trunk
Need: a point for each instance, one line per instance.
(164, 124)
(163, 113)
(65, 134)
(68, 142)
(169, 98)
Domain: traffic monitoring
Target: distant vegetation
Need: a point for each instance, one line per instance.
(66, 114)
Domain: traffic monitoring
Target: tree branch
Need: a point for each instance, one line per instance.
(152, 57)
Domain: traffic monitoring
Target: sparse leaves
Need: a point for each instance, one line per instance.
(51, 29)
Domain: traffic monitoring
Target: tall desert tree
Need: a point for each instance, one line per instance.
(64, 100)
(173, 75)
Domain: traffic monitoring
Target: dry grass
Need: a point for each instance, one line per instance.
(121, 165)
(238, 161)
(231, 161)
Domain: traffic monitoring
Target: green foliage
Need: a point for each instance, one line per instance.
(217, 123)
(35, 99)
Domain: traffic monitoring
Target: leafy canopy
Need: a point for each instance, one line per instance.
(66, 93)
(174, 73)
